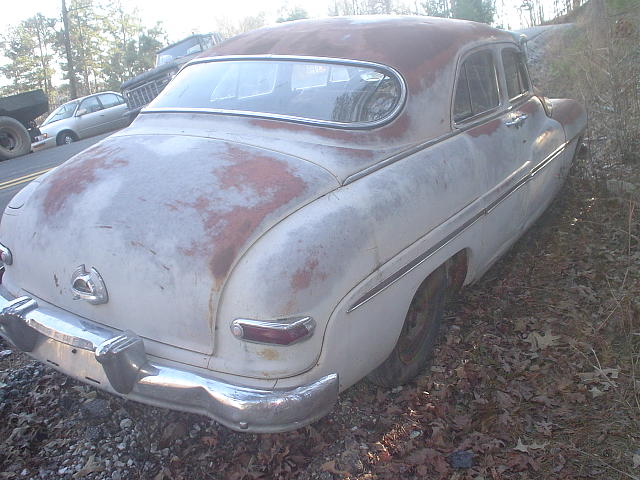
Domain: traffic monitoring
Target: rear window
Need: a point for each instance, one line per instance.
(325, 92)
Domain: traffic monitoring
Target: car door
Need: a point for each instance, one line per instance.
(539, 138)
(89, 117)
(114, 111)
(480, 112)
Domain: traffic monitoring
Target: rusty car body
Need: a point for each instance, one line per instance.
(287, 217)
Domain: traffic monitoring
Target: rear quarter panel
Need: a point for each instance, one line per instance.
(322, 258)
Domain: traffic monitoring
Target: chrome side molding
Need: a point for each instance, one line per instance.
(397, 275)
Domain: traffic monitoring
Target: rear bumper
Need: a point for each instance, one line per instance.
(117, 362)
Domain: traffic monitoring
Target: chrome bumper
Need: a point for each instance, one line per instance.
(117, 362)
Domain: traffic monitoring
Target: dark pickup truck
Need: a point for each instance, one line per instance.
(17, 122)
(140, 90)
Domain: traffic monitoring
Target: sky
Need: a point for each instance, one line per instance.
(181, 18)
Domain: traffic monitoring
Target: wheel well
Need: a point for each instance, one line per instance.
(457, 267)
(60, 134)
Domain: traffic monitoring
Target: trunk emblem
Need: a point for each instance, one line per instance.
(88, 286)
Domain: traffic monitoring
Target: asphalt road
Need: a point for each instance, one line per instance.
(18, 172)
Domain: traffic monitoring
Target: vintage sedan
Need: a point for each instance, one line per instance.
(287, 217)
(82, 118)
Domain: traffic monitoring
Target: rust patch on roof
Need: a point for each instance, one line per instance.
(387, 40)
(267, 182)
(77, 175)
(485, 129)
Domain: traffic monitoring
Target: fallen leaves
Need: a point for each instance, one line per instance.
(330, 467)
(540, 341)
(521, 447)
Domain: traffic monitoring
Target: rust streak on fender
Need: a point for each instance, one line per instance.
(567, 111)
(269, 354)
(485, 129)
(76, 176)
(301, 279)
(267, 180)
(530, 107)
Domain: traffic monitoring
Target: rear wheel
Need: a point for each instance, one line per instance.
(414, 348)
(65, 138)
(14, 138)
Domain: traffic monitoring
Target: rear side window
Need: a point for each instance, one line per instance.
(515, 73)
(109, 100)
(476, 88)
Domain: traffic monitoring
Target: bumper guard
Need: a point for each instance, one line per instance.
(117, 362)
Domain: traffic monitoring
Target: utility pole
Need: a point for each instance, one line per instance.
(73, 87)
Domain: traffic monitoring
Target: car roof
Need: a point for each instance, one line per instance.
(423, 50)
(193, 35)
(417, 46)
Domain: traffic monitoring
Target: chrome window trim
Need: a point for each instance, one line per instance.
(456, 128)
(529, 91)
(520, 100)
(308, 121)
(421, 146)
(477, 118)
(420, 259)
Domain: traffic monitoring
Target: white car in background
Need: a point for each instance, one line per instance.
(81, 118)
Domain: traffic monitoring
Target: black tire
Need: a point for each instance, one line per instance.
(414, 348)
(14, 138)
(65, 138)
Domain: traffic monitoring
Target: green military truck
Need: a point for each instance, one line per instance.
(17, 122)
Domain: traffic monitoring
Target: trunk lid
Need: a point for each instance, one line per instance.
(163, 219)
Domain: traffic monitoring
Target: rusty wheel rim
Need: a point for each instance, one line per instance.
(418, 323)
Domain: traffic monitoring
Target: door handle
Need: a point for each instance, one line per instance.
(516, 121)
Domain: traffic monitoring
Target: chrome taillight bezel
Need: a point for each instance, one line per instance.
(282, 332)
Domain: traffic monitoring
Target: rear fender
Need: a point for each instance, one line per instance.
(571, 115)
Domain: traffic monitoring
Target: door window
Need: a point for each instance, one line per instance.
(91, 105)
(515, 73)
(476, 88)
(109, 100)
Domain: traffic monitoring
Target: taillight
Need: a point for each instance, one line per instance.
(282, 332)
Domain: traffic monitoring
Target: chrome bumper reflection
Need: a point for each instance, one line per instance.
(117, 362)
